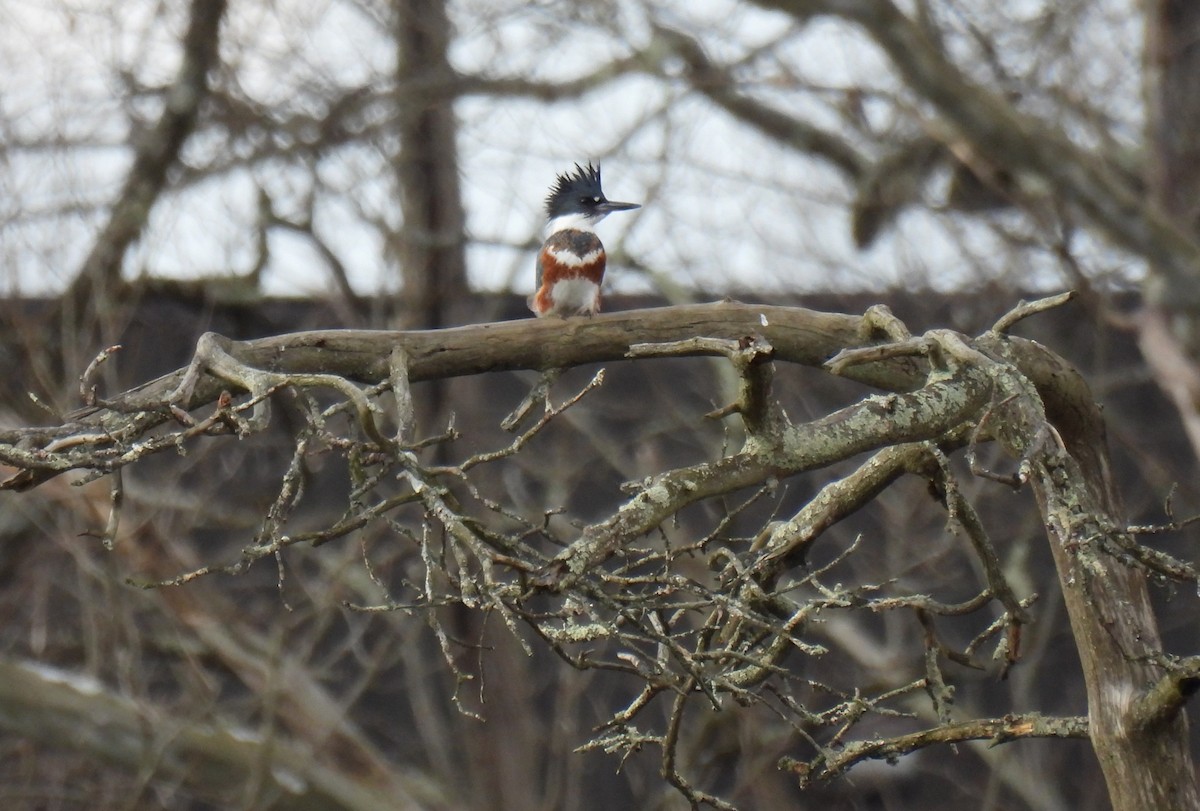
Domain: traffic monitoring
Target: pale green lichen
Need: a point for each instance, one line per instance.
(578, 633)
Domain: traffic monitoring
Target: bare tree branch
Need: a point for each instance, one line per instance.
(156, 153)
(995, 730)
(1011, 139)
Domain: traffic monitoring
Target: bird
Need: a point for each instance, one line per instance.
(570, 264)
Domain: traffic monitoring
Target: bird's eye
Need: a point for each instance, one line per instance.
(595, 199)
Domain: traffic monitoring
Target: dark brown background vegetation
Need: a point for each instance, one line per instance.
(67, 605)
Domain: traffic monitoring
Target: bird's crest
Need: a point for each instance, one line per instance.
(583, 182)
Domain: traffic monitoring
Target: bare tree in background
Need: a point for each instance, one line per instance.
(430, 245)
(741, 602)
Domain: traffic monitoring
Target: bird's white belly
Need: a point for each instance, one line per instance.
(575, 296)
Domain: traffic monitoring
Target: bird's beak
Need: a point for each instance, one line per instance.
(608, 206)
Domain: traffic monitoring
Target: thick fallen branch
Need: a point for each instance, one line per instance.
(366, 356)
(73, 712)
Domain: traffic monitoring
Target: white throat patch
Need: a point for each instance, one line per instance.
(569, 222)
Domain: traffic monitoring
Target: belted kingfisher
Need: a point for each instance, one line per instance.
(570, 265)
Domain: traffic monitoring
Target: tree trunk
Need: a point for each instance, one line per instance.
(1143, 749)
(1170, 329)
(432, 262)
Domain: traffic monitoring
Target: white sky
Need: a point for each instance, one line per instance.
(725, 207)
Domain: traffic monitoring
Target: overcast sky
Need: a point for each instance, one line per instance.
(725, 207)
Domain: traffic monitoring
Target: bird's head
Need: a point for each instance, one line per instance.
(578, 194)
